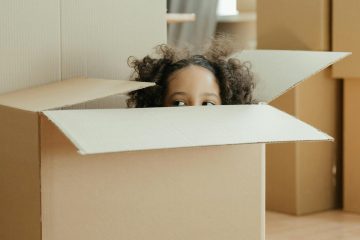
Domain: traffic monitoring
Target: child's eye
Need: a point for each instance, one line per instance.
(208, 104)
(178, 103)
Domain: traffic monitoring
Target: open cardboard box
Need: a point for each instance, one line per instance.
(154, 173)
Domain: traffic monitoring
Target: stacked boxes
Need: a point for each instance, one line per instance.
(346, 36)
(303, 178)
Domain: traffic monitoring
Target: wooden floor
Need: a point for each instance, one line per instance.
(332, 225)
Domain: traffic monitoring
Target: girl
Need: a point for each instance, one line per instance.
(183, 79)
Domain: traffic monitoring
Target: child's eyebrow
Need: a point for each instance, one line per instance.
(211, 95)
(178, 93)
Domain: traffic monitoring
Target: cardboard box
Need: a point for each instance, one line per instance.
(351, 145)
(311, 182)
(43, 41)
(298, 25)
(346, 37)
(309, 179)
(20, 158)
(155, 173)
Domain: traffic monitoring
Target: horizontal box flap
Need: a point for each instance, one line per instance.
(67, 93)
(277, 71)
(117, 130)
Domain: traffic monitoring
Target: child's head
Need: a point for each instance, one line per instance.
(184, 79)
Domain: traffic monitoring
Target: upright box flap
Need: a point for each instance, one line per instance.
(67, 93)
(116, 130)
(277, 71)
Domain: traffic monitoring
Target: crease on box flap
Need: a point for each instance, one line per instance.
(277, 71)
(68, 92)
(118, 130)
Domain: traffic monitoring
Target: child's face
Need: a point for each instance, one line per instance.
(192, 86)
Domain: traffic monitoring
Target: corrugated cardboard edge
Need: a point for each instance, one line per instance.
(65, 133)
(82, 151)
(263, 192)
(23, 212)
(330, 138)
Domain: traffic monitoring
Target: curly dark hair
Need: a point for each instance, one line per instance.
(234, 78)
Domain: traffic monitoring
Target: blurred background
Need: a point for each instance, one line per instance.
(233, 17)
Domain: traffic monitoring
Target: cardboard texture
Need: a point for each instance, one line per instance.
(186, 193)
(19, 175)
(307, 182)
(351, 145)
(178, 180)
(29, 43)
(67, 93)
(346, 36)
(268, 68)
(296, 25)
(43, 41)
(310, 182)
(20, 147)
(99, 36)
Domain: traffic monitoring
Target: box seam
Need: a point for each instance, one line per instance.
(39, 159)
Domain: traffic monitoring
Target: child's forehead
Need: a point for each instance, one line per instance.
(192, 72)
(193, 78)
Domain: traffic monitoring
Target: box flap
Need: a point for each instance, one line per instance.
(67, 93)
(277, 71)
(116, 130)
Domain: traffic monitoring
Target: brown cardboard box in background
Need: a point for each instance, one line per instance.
(352, 145)
(296, 24)
(346, 37)
(301, 177)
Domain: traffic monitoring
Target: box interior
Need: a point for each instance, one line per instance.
(278, 71)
